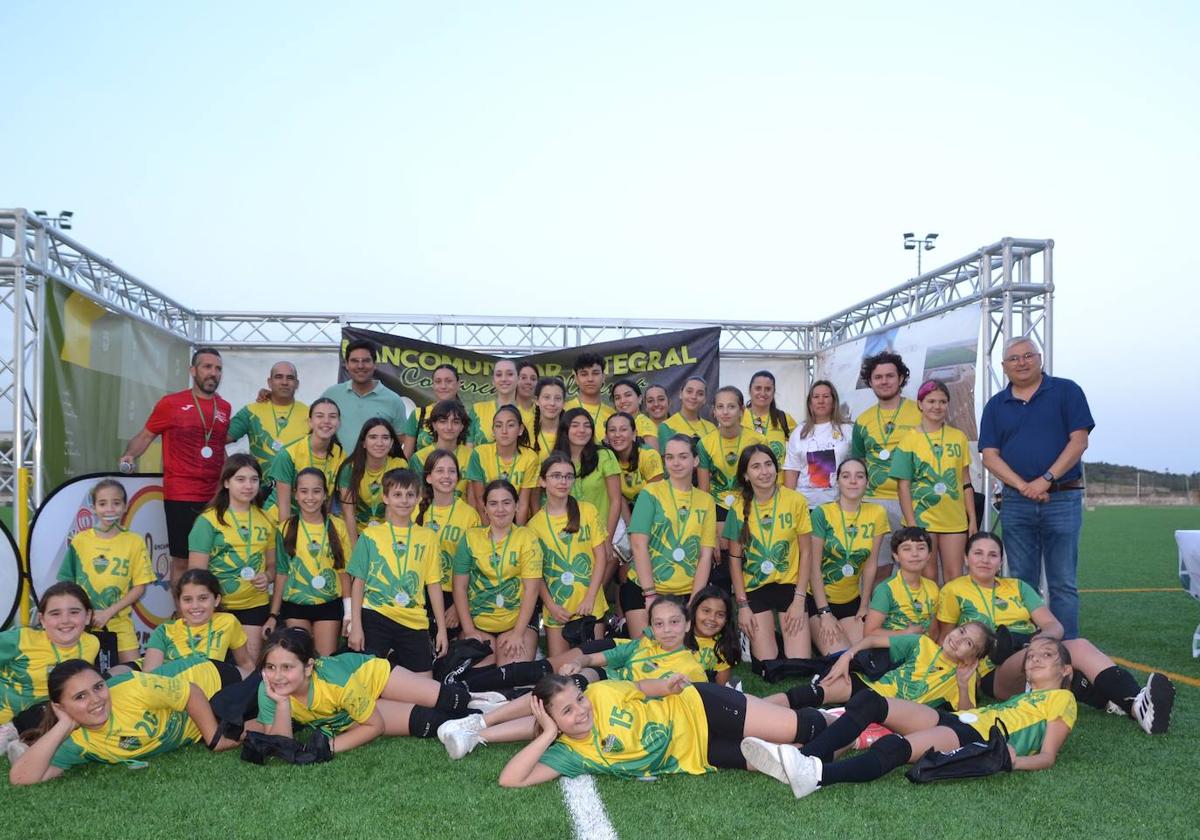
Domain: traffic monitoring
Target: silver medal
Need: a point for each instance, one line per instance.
(729, 500)
(402, 598)
(940, 488)
(206, 452)
(277, 445)
(247, 573)
(499, 600)
(848, 570)
(768, 567)
(568, 578)
(678, 555)
(318, 582)
(884, 454)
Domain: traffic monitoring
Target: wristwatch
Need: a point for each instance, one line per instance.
(1049, 476)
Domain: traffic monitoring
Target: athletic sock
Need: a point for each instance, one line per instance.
(864, 708)
(885, 755)
(805, 696)
(423, 722)
(1118, 686)
(809, 724)
(453, 699)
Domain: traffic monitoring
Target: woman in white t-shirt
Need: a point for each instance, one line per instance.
(815, 449)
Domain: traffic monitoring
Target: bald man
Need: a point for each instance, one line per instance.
(277, 420)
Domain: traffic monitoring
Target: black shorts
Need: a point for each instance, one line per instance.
(839, 611)
(252, 616)
(108, 657)
(988, 684)
(965, 732)
(773, 596)
(631, 597)
(329, 611)
(181, 516)
(229, 673)
(597, 645)
(398, 644)
(725, 711)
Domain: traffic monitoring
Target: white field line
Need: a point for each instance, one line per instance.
(588, 816)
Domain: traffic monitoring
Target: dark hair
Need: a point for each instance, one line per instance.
(500, 484)
(587, 360)
(910, 533)
(362, 344)
(63, 587)
(235, 462)
(525, 363)
(680, 437)
(445, 409)
(196, 577)
(104, 484)
(449, 367)
(357, 462)
(628, 382)
(335, 441)
(589, 458)
(778, 416)
(400, 477)
(747, 488)
(989, 637)
(635, 444)
(674, 600)
(836, 417)
(1064, 655)
(548, 686)
(887, 357)
(541, 385)
(553, 459)
(726, 644)
(427, 488)
(56, 684)
(295, 640)
(204, 351)
(732, 389)
(523, 434)
(848, 459)
(984, 535)
(292, 526)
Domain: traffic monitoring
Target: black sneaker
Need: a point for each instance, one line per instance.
(1152, 706)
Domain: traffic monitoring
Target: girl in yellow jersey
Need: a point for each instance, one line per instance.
(657, 403)
(687, 421)
(765, 417)
(310, 565)
(112, 566)
(627, 397)
(549, 395)
(497, 578)
(597, 473)
(527, 377)
(846, 538)
(449, 421)
(716, 642)
(673, 534)
(1038, 723)
(720, 449)
(235, 540)
(125, 720)
(360, 477)
(395, 570)
(932, 468)
(769, 554)
(319, 449)
(906, 602)
(483, 413)
(574, 554)
(640, 464)
(200, 629)
(509, 459)
(1016, 611)
(449, 516)
(417, 433)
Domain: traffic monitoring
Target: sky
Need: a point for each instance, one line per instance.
(753, 161)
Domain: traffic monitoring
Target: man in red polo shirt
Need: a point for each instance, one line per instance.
(194, 424)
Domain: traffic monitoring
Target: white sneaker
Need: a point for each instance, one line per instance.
(459, 742)
(765, 757)
(487, 701)
(1152, 706)
(1113, 709)
(15, 750)
(803, 771)
(8, 734)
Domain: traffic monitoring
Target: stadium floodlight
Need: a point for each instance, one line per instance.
(911, 242)
(62, 221)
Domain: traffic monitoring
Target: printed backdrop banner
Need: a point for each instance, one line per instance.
(67, 511)
(10, 576)
(406, 364)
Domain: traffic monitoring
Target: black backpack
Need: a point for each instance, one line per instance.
(979, 758)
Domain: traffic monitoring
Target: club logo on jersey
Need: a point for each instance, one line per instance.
(100, 563)
(611, 744)
(130, 743)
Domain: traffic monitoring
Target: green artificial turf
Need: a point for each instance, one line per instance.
(1111, 779)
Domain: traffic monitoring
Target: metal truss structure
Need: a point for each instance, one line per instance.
(1012, 279)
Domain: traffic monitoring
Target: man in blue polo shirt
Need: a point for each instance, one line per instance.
(1031, 437)
(362, 396)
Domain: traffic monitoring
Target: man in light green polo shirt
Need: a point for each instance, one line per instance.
(362, 396)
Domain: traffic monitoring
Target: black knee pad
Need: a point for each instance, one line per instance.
(893, 750)
(869, 706)
(423, 722)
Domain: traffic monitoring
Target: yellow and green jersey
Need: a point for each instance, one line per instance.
(450, 522)
(710, 660)
(416, 425)
(26, 658)
(1026, 716)
(107, 568)
(677, 424)
(149, 716)
(521, 471)
(644, 427)
(635, 736)
(599, 414)
(719, 455)
(646, 659)
(369, 508)
(876, 435)
(777, 530)
(920, 673)
(311, 576)
(849, 539)
(212, 640)
(483, 415)
(496, 573)
(776, 435)
(678, 524)
(569, 560)
(934, 463)
(269, 428)
(593, 487)
(396, 563)
(1010, 603)
(297, 456)
(544, 441)
(649, 468)
(342, 691)
(236, 550)
(902, 605)
(462, 456)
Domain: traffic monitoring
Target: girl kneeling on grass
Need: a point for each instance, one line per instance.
(200, 629)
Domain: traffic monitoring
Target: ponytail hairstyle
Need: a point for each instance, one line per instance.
(445, 409)
(589, 458)
(748, 489)
(295, 640)
(104, 484)
(197, 577)
(235, 462)
(635, 442)
(726, 643)
(436, 456)
(292, 526)
(542, 384)
(548, 687)
(357, 462)
(737, 392)
(523, 435)
(56, 685)
(837, 418)
(333, 441)
(554, 459)
(777, 417)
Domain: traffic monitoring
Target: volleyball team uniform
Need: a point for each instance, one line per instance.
(678, 525)
(876, 435)
(903, 606)
(677, 424)
(598, 412)
(643, 427)
(496, 574)
(934, 464)
(776, 436)
(107, 568)
(848, 541)
(343, 691)
(646, 659)
(416, 426)
(483, 415)
(214, 639)
(593, 487)
(369, 507)
(236, 552)
(1010, 603)
(521, 470)
(295, 457)
(771, 556)
(634, 479)
(313, 589)
(268, 428)
(719, 455)
(568, 560)
(544, 443)
(26, 658)
(710, 660)
(462, 457)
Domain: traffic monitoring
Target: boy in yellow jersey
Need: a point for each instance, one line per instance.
(589, 380)
(906, 602)
(274, 421)
(765, 417)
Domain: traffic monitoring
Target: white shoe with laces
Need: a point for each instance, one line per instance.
(487, 701)
(803, 771)
(1152, 706)
(459, 742)
(764, 757)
